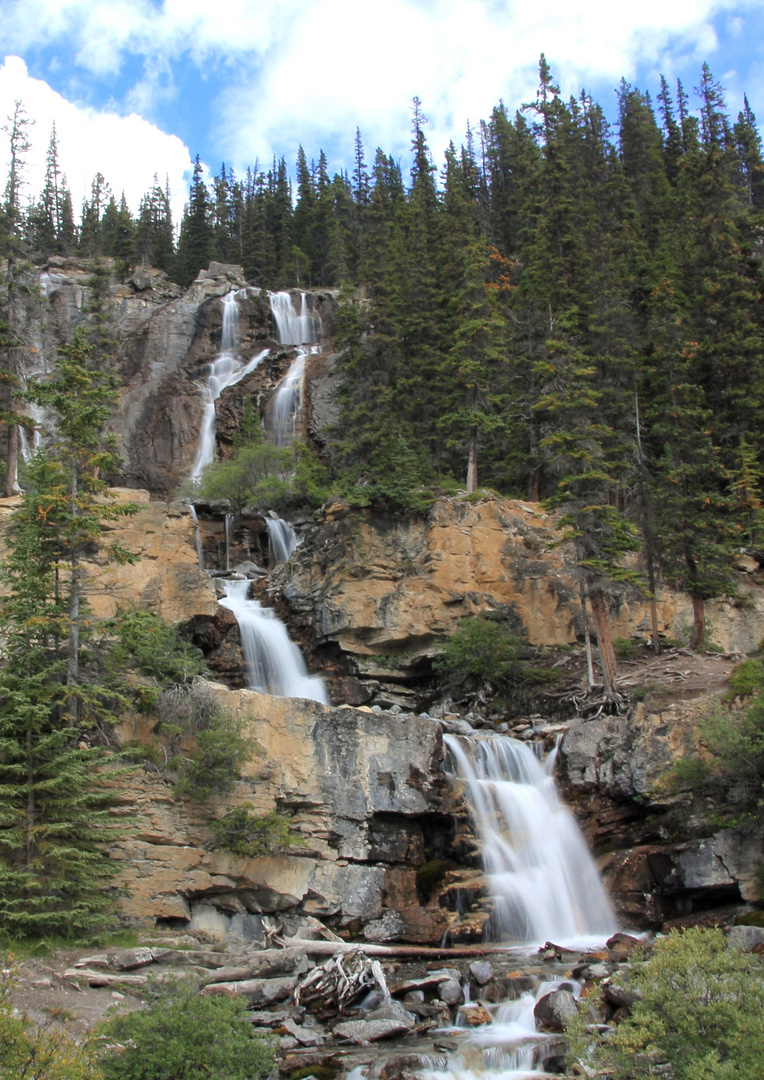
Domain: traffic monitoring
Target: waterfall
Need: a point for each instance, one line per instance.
(282, 539)
(274, 663)
(225, 370)
(545, 884)
(291, 328)
(287, 402)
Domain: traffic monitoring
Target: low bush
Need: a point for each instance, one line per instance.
(182, 1036)
(246, 833)
(34, 1051)
(486, 649)
(212, 765)
(699, 1007)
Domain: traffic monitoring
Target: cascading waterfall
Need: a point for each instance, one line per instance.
(282, 539)
(544, 881)
(292, 329)
(274, 663)
(226, 370)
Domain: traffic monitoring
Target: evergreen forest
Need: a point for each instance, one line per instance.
(562, 311)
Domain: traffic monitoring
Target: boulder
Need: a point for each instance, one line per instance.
(554, 1011)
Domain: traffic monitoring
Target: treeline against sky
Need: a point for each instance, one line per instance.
(561, 311)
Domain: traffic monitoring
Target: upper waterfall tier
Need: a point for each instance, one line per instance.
(293, 328)
(544, 881)
(225, 370)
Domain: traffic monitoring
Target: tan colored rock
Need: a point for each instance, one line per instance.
(378, 584)
(165, 579)
(341, 774)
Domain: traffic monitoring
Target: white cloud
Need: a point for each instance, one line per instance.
(127, 150)
(280, 72)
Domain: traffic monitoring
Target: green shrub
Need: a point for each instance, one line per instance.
(746, 679)
(182, 1036)
(39, 1052)
(272, 477)
(699, 1007)
(736, 738)
(245, 833)
(485, 647)
(688, 773)
(213, 765)
(145, 641)
(623, 648)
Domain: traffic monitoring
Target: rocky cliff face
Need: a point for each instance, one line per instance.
(385, 592)
(165, 338)
(364, 791)
(371, 598)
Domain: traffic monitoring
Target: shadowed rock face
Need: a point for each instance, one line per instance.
(666, 859)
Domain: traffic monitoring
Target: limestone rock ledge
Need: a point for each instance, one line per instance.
(363, 789)
(165, 579)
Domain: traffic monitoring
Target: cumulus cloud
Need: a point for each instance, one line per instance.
(127, 150)
(280, 72)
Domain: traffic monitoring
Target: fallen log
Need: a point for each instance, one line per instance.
(405, 952)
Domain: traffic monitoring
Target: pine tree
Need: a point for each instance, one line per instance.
(80, 394)
(54, 795)
(196, 242)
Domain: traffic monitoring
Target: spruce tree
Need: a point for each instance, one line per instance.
(54, 781)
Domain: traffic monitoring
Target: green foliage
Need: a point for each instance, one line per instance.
(485, 647)
(699, 1007)
(56, 782)
(736, 738)
(624, 648)
(246, 833)
(181, 1035)
(393, 477)
(34, 1050)
(143, 640)
(206, 745)
(265, 476)
(689, 773)
(746, 679)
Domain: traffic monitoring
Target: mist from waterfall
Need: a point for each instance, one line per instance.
(544, 882)
(274, 663)
(225, 370)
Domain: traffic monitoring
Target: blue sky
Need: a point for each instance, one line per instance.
(141, 86)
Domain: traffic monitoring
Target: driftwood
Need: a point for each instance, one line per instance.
(329, 989)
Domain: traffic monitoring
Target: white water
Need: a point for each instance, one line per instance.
(544, 882)
(287, 402)
(274, 663)
(282, 540)
(225, 370)
(291, 328)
